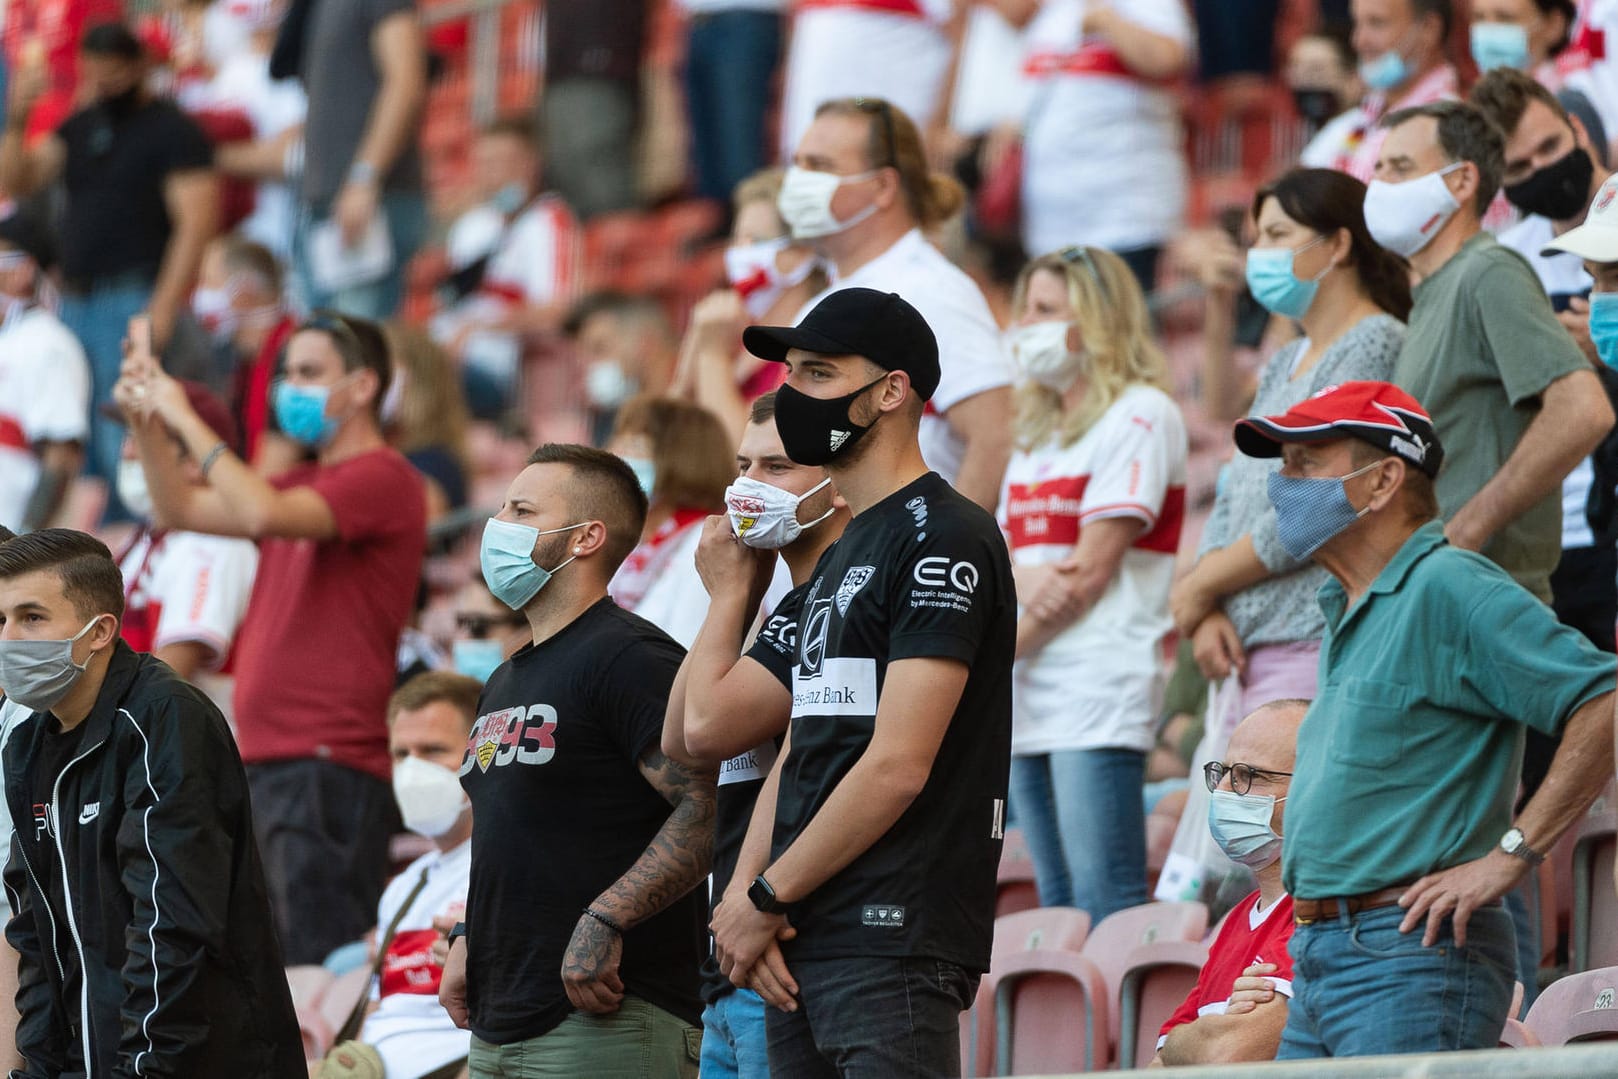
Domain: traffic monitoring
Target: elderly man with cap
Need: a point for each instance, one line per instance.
(1400, 837)
(862, 905)
(44, 384)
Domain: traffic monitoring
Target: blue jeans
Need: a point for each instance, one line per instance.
(1081, 813)
(871, 1018)
(733, 1042)
(1522, 902)
(406, 214)
(100, 320)
(1360, 987)
(731, 56)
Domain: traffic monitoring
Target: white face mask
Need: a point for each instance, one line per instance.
(38, 674)
(132, 489)
(430, 796)
(606, 385)
(1042, 355)
(1405, 217)
(751, 270)
(212, 308)
(765, 516)
(805, 202)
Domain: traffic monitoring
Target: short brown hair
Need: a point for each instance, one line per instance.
(894, 142)
(430, 687)
(360, 344)
(690, 447)
(1464, 134)
(763, 410)
(6, 534)
(244, 256)
(1503, 95)
(513, 125)
(604, 489)
(89, 576)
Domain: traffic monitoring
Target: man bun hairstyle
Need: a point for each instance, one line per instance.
(89, 576)
(895, 142)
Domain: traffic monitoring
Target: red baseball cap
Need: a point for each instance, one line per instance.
(1376, 412)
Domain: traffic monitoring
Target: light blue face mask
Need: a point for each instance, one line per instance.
(645, 470)
(1273, 283)
(478, 659)
(1604, 326)
(300, 412)
(1240, 824)
(507, 559)
(510, 198)
(1499, 44)
(1308, 512)
(1386, 71)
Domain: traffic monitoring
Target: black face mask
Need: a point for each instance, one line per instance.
(814, 430)
(1558, 191)
(1315, 104)
(119, 106)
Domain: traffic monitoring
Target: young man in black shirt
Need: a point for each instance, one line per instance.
(583, 935)
(775, 505)
(863, 900)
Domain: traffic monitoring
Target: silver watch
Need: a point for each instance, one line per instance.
(1515, 844)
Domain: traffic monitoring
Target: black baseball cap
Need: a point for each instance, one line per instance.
(880, 326)
(21, 231)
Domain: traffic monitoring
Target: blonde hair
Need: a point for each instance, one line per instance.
(1110, 311)
(894, 142)
(432, 409)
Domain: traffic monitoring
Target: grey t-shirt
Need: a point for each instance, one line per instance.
(1482, 346)
(341, 78)
(1282, 609)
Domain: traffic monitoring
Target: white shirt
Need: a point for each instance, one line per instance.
(1592, 59)
(1322, 151)
(971, 355)
(676, 601)
(243, 82)
(409, 1029)
(44, 397)
(1097, 684)
(990, 88)
(1103, 162)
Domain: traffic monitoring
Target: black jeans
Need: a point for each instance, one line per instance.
(872, 1018)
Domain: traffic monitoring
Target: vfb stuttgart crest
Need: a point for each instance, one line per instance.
(853, 581)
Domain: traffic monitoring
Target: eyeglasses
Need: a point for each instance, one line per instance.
(1241, 775)
(479, 626)
(875, 106)
(1081, 254)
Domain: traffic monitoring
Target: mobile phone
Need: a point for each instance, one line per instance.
(140, 333)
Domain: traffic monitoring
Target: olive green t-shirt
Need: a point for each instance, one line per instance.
(1482, 345)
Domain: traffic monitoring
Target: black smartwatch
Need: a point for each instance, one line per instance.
(459, 930)
(763, 897)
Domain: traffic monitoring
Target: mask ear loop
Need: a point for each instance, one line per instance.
(810, 524)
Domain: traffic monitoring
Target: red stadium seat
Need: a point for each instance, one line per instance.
(1595, 907)
(1017, 890)
(1051, 1015)
(1517, 1036)
(1580, 1007)
(1158, 977)
(1113, 943)
(1056, 928)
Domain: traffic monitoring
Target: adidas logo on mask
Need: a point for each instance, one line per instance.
(838, 438)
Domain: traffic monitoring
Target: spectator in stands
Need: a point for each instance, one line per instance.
(1321, 72)
(771, 278)
(341, 541)
(1247, 604)
(775, 505)
(859, 189)
(1093, 505)
(185, 593)
(590, 106)
(140, 206)
(1526, 35)
(487, 632)
(44, 384)
(425, 417)
(363, 65)
(683, 460)
(625, 346)
(1515, 398)
(1587, 55)
(732, 49)
(1410, 752)
(406, 1031)
(514, 261)
(174, 965)
(1402, 46)
(1103, 163)
(582, 943)
(1249, 791)
(42, 42)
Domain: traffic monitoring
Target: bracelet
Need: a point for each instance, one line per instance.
(213, 455)
(604, 920)
(361, 172)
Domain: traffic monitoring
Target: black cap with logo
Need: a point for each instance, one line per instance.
(880, 326)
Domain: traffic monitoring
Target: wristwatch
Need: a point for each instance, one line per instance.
(458, 931)
(1515, 844)
(763, 897)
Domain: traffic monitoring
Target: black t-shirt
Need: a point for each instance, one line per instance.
(56, 751)
(923, 573)
(561, 812)
(740, 779)
(116, 165)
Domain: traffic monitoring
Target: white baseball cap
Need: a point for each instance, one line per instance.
(1597, 239)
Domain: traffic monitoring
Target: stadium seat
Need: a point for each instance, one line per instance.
(1158, 977)
(309, 983)
(1112, 944)
(1517, 1036)
(1058, 928)
(1580, 1007)
(1595, 907)
(1050, 1015)
(1017, 890)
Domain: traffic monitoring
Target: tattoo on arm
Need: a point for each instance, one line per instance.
(681, 853)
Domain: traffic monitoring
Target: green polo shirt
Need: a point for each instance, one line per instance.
(1408, 759)
(1482, 345)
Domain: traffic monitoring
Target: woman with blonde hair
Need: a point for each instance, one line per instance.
(1093, 503)
(425, 416)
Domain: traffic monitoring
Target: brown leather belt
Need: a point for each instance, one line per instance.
(1310, 911)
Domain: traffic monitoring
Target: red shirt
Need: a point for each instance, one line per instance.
(316, 655)
(1240, 944)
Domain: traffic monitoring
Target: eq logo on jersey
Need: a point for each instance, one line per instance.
(524, 734)
(936, 571)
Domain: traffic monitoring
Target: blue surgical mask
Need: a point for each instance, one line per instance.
(645, 470)
(1386, 71)
(300, 412)
(1499, 44)
(1308, 512)
(507, 559)
(510, 198)
(478, 659)
(1240, 824)
(1604, 326)
(1276, 286)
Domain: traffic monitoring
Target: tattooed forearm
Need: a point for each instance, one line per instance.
(681, 853)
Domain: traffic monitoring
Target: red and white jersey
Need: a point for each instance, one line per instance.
(1590, 62)
(1359, 141)
(409, 1028)
(1103, 162)
(1098, 683)
(184, 587)
(1249, 937)
(44, 397)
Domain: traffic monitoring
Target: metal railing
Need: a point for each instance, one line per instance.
(1597, 1061)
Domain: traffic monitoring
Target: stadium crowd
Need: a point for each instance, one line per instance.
(602, 577)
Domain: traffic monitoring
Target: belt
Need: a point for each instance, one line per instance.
(1310, 911)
